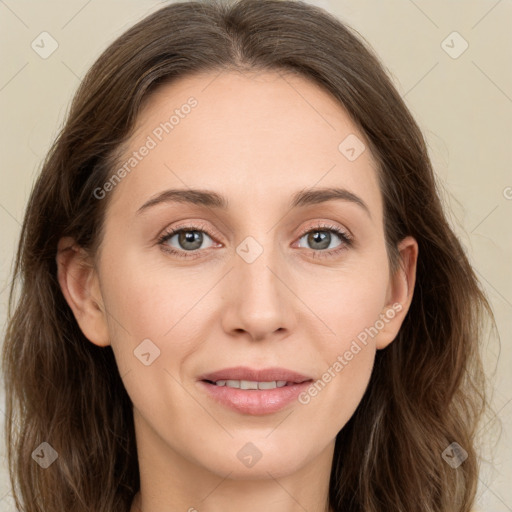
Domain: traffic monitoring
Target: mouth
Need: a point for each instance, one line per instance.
(254, 392)
(251, 384)
(244, 374)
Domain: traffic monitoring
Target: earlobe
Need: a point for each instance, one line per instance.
(400, 292)
(78, 281)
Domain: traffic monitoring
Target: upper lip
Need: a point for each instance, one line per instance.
(253, 374)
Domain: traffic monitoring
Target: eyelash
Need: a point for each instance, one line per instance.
(347, 240)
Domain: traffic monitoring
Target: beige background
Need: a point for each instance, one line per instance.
(463, 104)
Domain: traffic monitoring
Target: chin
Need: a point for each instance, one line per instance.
(258, 461)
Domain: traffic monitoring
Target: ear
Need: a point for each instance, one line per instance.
(399, 293)
(78, 281)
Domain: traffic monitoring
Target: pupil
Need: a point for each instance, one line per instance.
(190, 237)
(322, 237)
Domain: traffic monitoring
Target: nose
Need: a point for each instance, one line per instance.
(259, 300)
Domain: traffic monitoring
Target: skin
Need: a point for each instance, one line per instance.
(256, 138)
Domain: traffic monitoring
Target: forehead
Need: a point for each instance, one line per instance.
(267, 134)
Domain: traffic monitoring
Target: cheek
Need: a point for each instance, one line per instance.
(350, 306)
(153, 311)
(145, 302)
(355, 306)
(350, 300)
(149, 298)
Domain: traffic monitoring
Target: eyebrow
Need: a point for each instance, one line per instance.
(212, 199)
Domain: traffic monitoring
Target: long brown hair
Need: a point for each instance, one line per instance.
(427, 387)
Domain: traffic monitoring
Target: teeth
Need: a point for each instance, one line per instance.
(251, 384)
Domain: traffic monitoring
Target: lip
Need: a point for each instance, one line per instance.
(252, 401)
(261, 375)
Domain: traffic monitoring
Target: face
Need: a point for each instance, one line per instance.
(282, 266)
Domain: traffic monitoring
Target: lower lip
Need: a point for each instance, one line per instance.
(254, 401)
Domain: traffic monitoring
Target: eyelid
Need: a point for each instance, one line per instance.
(327, 225)
(190, 225)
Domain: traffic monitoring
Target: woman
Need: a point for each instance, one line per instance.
(239, 289)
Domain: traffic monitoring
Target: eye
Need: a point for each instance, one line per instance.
(186, 239)
(321, 238)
